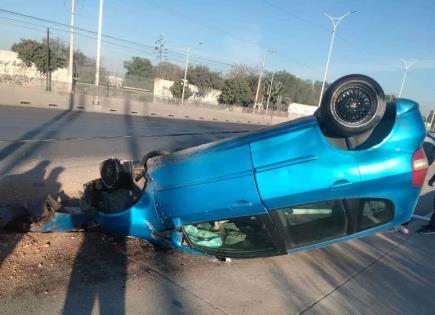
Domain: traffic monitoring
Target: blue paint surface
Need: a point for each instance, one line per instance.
(284, 165)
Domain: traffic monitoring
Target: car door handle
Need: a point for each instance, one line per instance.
(240, 204)
(341, 183)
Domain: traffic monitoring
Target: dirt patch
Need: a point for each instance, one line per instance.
(43, 262)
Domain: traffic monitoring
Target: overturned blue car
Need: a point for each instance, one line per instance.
(354, 168)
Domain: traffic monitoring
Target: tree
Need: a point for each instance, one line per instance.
(84, 69)
(33, 52)
(242, 71)
(247, 74)
(177, 90)
(275, 90)
(204, 79)
(140, 73)
(170, 71)
(298, 90)
(236, 92)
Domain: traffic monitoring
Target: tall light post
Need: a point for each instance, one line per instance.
(261, 75)
(432, 119)
(335, 21)
(71, 48)
(185, 70)
(407, 64)
(97, 70)
(270, 92)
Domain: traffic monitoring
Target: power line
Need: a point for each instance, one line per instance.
(219, 30)
(285, 11)
(108, 39)
(127, 43)
(295, 16)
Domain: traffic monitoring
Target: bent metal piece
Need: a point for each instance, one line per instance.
(282, 189)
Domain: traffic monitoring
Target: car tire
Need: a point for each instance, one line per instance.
(352, 105)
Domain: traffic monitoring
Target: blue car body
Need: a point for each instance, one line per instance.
(286, 166)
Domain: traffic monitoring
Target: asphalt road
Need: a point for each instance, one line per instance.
(51, 150)
(48, 151)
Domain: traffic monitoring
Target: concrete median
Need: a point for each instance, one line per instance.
(36, 97)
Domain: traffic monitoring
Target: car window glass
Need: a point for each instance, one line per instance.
(375, 212)
(312, 223)
(246, 234)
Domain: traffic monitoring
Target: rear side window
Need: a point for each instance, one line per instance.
(374, 212)
(311, 223)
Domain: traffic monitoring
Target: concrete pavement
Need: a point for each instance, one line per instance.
(383, 274)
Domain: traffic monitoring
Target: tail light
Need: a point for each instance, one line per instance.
(419, 167)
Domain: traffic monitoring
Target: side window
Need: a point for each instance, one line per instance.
(374, 212)
(245, 236)
(311, 223)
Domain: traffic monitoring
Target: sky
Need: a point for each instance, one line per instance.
(371, 41)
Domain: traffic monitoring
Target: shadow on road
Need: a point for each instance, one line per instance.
(32, 186)
(100, 275)
(425, 203)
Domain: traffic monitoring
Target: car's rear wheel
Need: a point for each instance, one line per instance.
(352, 105)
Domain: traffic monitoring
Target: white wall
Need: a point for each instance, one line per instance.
(301, 109)
(162, 91)
(11, 65)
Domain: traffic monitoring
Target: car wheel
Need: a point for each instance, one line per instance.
(352, 105)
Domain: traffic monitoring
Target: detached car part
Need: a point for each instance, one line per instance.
(353, 169)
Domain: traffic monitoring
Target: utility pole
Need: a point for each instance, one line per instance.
(71, 48)
(432, 119)
(261, 75)
(185, 70)
(335, 21)
(407, 64)
(48, 75)
(161, 52)
(97, 70)
(270, 92)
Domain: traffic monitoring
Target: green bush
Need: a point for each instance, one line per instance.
(177, 90)
(236, 92)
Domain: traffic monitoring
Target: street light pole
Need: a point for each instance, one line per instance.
(335, 21)
(97, 70)
(261, 75)
(185, 70)
(71, 48)
(407, 64)
(432, 119)
(270, 92)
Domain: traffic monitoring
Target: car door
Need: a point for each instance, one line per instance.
(325, 222)
(300, 166)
